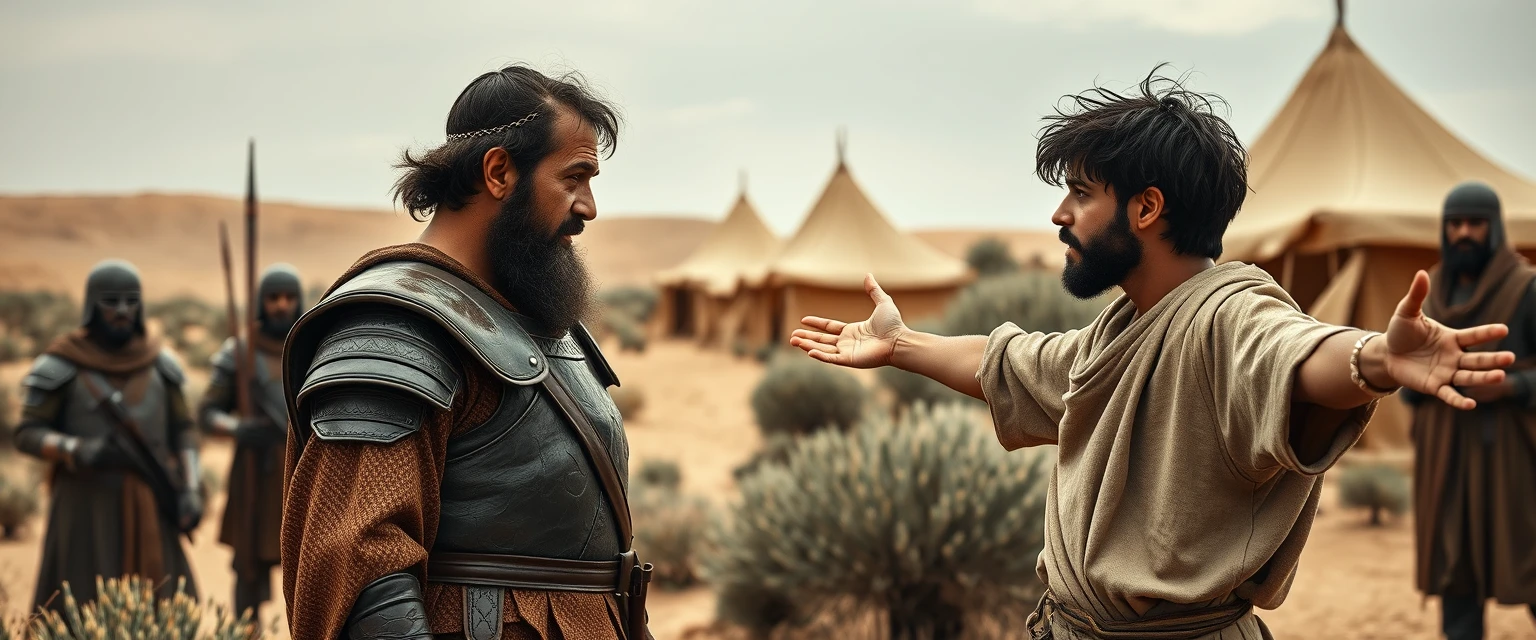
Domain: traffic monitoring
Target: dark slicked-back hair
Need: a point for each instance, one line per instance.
(447, 176)
(1159, 135)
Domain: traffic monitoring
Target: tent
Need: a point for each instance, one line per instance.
(821, 270)
(1347, 183)
(703, 297)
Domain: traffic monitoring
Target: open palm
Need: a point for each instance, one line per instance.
(1433, 359)
(861, 345)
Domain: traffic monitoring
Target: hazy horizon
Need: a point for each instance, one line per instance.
(941, 100)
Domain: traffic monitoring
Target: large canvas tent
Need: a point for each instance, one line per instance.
(704, 297)
(821, 270)
(1347, 183)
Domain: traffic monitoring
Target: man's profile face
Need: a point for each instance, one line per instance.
(279, 306)
(532, 257)
(1101, 248)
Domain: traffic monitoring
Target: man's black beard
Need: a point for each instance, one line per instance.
(542, 276)
(108, 336)
(1104, 261)
(1467, 258)
(278, 326)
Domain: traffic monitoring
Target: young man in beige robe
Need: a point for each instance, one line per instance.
(1195, 416)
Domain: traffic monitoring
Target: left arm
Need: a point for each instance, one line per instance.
(1416, 353)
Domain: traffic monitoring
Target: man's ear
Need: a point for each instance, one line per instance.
(1151, 207)
(498, 173)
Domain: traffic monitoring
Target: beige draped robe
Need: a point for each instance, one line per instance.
(1176, 487)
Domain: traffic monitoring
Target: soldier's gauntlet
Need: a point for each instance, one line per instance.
(390, 607)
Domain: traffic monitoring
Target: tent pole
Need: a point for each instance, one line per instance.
(1287, 269)
(1333, 263)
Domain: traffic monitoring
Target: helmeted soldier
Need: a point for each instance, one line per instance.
(254, 509)
(104, 404)
(456, 466)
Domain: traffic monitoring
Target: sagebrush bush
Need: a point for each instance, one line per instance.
(990, 256)
(798, 395)
(1033, 300)
(1377, 487)
(36, 318)
(752, 606)
(19, 501)
(127, 608)
(669, 533)
(663, 475)
(630, 400)
(636, 302)
(630, 332)
(921, 519)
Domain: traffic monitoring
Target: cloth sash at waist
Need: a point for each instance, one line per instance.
(1184, 625)
(534, 574)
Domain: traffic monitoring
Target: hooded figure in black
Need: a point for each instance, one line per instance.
(253, 513)
(104, 519)
(1475, 471)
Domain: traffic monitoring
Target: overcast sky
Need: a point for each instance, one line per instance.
(941, 98)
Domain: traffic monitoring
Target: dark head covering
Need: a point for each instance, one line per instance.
(279, 278)
(114, 278)
(1471, 199)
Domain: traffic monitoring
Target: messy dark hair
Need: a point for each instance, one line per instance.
(447, 176)
(1160, 135)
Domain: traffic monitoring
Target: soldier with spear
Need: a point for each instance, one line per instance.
(245, 400)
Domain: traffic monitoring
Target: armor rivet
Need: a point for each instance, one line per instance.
(533, 361)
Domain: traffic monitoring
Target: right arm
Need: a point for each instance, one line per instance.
(215, 410)
(362, 496)
(953, 361)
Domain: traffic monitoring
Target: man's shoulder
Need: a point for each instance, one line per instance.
(49, 372)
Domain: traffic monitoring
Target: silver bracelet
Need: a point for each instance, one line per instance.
(1354, 370)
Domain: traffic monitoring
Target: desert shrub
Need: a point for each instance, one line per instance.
(769, 351)
(194, 328)
(636, 302)
(127, 608)
(1033, 300)
(669, 534)
(662, 475)
(740, 348)
(9, 417)
(629, 399)
(19, 501)
(750, 605)
(990, 257)
(920, 520)
(798, 395)
(1377, 487)
(35, 318)
(11, 348)
(630, 332)
(775, 450)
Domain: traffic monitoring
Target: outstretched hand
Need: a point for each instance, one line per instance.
(861, 345)
(1431, 358)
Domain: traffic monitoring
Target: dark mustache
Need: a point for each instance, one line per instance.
(572, 227)
(1467, 245)
(1070, 240)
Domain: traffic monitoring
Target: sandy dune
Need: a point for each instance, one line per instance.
(52, 241)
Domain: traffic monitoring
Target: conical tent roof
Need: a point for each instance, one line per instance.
(1351, 160)
(739, 247)
(845, 236)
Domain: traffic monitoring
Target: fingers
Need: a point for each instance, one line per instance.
(1450, 396)
(1412, 305)
(810, 345)
(815, 336)
(1482, 334)
(1477, 378)
(823, 324)
(1485, 360)
(873, 289)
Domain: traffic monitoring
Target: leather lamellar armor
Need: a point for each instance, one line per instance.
(379, 355)
(83, 414)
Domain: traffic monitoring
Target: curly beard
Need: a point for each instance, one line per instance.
(543, 277)
(1103, 261)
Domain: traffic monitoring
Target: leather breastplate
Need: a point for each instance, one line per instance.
(522, 484)
(144, 396)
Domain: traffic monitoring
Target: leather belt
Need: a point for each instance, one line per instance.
(1186, 625)
(530, 573)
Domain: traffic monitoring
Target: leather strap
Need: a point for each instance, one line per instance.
(482, 613)
(529, 573)
(606, 471)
